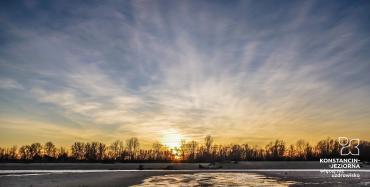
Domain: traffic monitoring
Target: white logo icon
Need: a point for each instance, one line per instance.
(349, 146)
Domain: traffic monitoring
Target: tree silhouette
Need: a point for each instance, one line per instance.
(35, 151)
(208, 142)
(193, 145)
(116, 149)
(50, 150)
(24, 152)
(78, 150)
(275, 150)
(157, 150)
(132, 146)
(183, 148)
(190, 151)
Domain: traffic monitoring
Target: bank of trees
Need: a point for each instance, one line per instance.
(192, 151)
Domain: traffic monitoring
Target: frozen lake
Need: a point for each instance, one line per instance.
(213, 179)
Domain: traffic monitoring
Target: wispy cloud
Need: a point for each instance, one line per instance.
(6, 83)
(245, 71)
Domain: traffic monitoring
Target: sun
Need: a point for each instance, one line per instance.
(171, 139)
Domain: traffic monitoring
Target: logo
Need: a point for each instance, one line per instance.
(349, 146)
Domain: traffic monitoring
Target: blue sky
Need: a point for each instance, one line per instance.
(243, 71)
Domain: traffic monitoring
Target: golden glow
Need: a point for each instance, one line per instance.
(171, 139)
(177, 157)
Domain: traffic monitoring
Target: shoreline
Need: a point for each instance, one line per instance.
(169, 166)
(127, 174)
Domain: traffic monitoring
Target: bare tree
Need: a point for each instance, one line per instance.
(116, 149)
(300, 148)
(101, 151)
(50, 149)
(91, 151)
(62, 154)
(236, 152)
(193, 145)
(25, 153)
(291, 152)
(157, 150)
(188, 151)
(275, 150)
(208, 142)
(327, 148)
(8, 153)
(132, 146)
(78, 150)
(35, 151)
(183, 149)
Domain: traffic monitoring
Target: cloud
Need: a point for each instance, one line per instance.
(143, 67)
(10, 84)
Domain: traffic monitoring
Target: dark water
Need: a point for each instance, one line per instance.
(213, 179)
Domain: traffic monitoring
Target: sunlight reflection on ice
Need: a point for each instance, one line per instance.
(213, 179)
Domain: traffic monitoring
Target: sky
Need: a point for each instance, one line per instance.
(241, 71)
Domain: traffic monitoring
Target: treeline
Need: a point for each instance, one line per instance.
(192, 151)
